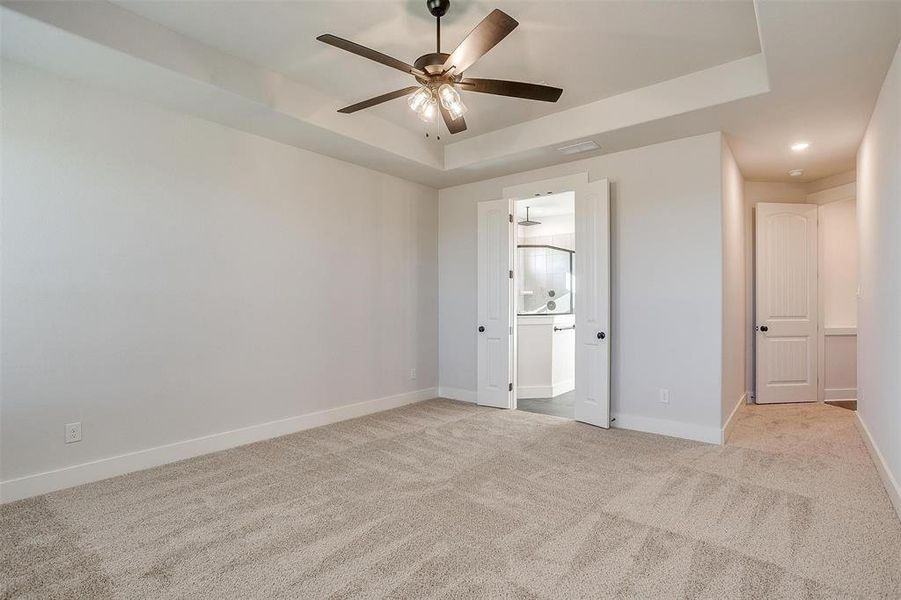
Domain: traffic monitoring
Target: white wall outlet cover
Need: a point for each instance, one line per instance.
(412, 373)
(664, 396)
(73, 432)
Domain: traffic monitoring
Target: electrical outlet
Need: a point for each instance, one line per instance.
(664, 396)
(412, 373)
(73, 432)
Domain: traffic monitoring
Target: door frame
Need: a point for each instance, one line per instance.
(828, 196)
(569, 183)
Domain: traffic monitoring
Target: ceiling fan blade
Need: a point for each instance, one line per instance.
(480, 40)
(378, 100)
(453, 125)
(369, 53)
(514, 89)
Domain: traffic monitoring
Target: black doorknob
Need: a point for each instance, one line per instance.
(601, 335)
(481, 329)
(764, 328)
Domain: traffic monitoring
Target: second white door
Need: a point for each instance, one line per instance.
(786, 280)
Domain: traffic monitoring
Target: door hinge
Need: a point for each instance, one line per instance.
(511, 387)
(511, 218)
(511, 273)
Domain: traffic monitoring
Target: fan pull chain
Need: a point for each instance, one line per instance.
(437, 129)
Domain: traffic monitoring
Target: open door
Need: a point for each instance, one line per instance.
(495, 304)
(592, 303)
(787, 303)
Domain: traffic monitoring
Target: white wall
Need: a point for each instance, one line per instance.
(838, 292)
(561, 226)
(774, 191)
(734, 294)
(166, 278)
(879, 305)
(838, 262)
(840, 366)
(832, 182)
(667, 282)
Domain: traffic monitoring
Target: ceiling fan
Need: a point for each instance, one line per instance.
(438, 74)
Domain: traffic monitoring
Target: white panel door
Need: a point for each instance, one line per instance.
(495, 305)
(592, 303)
(786, 328)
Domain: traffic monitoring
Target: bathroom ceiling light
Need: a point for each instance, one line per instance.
(796, 172)
(800, 146)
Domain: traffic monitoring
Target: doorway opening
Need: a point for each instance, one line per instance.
(497, 299)
(544, 261)
(806, 300)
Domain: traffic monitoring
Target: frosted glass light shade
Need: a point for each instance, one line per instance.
(420, 98)
(429, 111)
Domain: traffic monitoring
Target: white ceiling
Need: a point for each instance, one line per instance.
(826, 63)
(550, 205)
(767, 74)
(591, 49)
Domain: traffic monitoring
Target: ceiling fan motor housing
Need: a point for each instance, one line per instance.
(432, 63)
(438, 8)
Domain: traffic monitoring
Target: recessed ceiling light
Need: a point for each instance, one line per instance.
(796, 172)
(799, 146)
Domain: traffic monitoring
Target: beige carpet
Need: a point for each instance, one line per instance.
(447, 500)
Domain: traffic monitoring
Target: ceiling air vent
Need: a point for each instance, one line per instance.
(579, 147)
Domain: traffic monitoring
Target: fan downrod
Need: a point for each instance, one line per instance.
(438, 8)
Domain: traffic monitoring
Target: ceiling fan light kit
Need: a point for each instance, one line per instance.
(429, 111)
(450, 99)
(439, 74)
(420, 98)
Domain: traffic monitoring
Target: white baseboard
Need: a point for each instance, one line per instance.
(688, 431)
(563, 387)
(840, 394)
(730, 422)
(527, 392)
(42, 483)
(458, 394)
(545, 391)
(888, 480)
